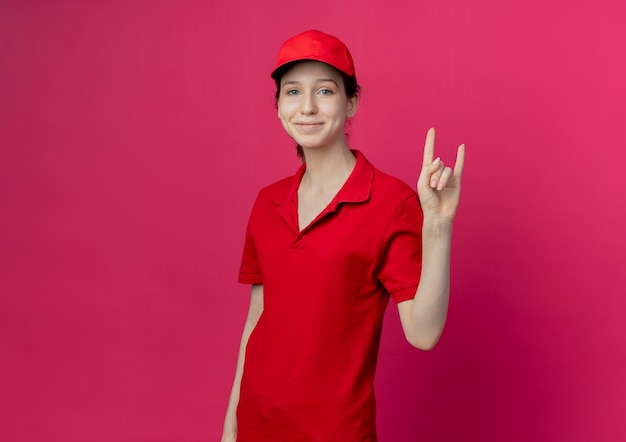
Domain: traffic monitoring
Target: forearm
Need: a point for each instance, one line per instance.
(230, 421)
(254, 313)
(430, 306)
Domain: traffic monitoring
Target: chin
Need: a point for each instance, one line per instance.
(314, 144)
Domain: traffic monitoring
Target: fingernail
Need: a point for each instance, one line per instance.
(440, 187)
(436, 160)
(433, 183)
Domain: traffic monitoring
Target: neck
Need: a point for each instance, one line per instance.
(327, 169)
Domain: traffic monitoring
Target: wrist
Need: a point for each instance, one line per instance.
(229, 435)
(436, 227)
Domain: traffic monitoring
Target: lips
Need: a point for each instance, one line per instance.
(309, 125)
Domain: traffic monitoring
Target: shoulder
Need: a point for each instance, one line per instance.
(277, 189)
(390, 182)
(267, 204)
(397, 204)
(379, 182)
(272, 196)
(399, 207)
(391, 188)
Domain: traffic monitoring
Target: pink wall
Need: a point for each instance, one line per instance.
(135, 135)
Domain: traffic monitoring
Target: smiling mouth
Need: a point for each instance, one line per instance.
(308, 125)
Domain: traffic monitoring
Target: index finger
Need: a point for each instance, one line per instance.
(429, 147)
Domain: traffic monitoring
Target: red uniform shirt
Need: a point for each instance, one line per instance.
(310, 361)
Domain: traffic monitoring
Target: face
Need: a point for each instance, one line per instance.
(313, 107)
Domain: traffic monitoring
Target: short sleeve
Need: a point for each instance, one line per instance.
(250, 270)
(400, 264)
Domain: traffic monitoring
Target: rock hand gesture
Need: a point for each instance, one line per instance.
(439, 187)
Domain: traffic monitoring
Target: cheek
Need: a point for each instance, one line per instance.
(284, 109)
(287, 111)
(284, 124)
(281, 114)
(283, 120)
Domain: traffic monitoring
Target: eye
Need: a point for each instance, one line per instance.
(325, 91)
(292, 92)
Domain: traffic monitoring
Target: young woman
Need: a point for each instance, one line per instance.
(325, 249)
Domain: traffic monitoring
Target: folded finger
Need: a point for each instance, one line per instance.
(445, 178)
(436, 171)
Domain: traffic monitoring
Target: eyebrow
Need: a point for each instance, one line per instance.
(321, 80)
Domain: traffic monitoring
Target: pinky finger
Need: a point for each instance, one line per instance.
(460, 161)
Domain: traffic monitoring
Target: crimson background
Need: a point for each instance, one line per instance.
(135, 135)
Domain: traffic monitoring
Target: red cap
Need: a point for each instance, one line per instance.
(315, 45)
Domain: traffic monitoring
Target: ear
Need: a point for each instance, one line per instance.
(352, 105)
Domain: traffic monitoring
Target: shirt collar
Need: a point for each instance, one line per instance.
(356, 189)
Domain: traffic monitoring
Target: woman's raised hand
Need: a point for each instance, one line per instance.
(439, 187)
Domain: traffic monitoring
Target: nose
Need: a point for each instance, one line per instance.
(309, 105)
